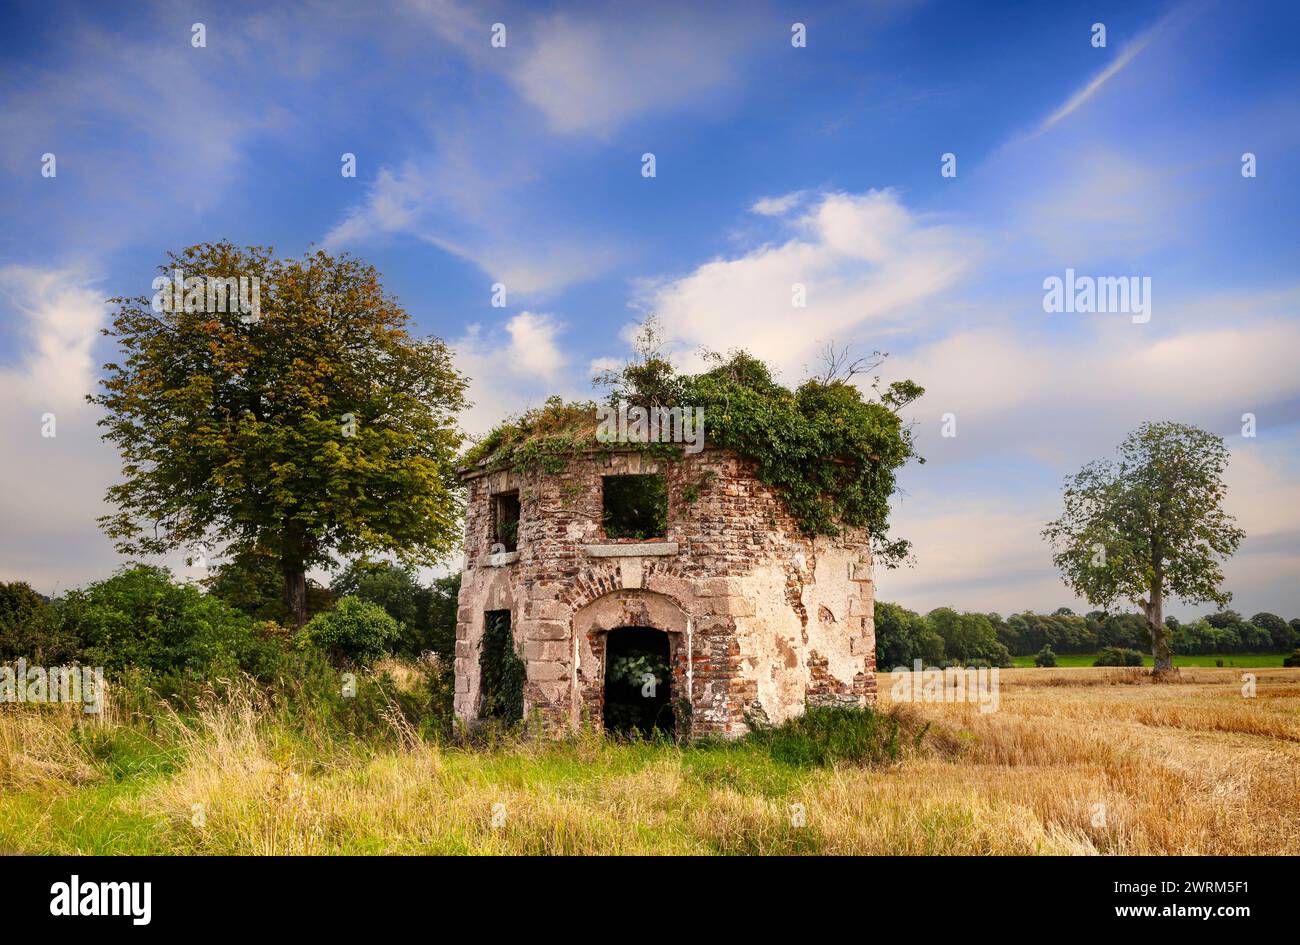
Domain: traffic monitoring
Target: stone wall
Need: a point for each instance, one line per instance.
(761, 620)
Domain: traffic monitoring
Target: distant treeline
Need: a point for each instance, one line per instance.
(944, 636)
(173, 638)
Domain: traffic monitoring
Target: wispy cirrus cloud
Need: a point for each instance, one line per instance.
(1094, 85)
(1128, 52)
(483, 219)
(588, 74)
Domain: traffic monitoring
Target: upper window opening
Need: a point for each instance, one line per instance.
(635, 507)
(505, 521)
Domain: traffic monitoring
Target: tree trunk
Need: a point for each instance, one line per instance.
(1161, 650)
(295, 592)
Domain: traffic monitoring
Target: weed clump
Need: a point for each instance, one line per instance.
(829, 735)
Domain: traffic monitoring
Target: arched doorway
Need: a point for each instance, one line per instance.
(638, 682)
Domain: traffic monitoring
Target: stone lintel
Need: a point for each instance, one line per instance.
(642, 549)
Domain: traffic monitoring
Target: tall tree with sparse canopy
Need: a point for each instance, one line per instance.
(1149, 527)
(317, 425)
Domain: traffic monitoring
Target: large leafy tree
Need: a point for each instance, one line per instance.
(317, 426)
(1149, 526)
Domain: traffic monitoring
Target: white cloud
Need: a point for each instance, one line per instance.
(864, 259)
(972, 554)
(510, 369)
(777, 206)
(1028, 410)
(1009, 391)
(113, 105)
(533, 347)
(591, 74)
(60, 314)
(51, 488)
(1126, 55)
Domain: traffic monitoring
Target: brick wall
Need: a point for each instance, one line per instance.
(761, 620)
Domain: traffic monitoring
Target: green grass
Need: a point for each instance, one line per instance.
(1245, 660)
(123, 808)
(95, 819)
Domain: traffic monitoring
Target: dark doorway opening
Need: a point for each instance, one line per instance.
(501, 671)
(638, 677)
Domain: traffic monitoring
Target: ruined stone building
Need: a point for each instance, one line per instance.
(716, 605)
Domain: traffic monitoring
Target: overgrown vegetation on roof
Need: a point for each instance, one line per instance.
(829, 448)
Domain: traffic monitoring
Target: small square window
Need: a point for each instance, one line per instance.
(505, 521)
(635, 507)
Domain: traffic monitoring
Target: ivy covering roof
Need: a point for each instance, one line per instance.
(828, 450)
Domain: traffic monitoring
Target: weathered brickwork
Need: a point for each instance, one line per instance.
(761, 621)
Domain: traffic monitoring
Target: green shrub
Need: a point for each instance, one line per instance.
(355, 630)
(30, 628)
(165, 636)
(1118, 656)
(1045, 658)
(427, 614)
(826, 735)
(323, 701)
(1292, 660)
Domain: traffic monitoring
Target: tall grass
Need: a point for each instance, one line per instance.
(1097, 765)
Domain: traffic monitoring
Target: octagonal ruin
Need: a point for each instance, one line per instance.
(759, 621)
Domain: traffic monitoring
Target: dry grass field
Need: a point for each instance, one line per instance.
(1075, 761)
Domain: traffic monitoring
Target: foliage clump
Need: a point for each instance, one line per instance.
(313, 426)
(830, 451)
(829, 735)
(1149, 526)
(355, 630)
(1118, 656)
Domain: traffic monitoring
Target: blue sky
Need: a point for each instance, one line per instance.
(774, 165)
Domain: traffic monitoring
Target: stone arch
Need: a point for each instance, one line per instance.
(630, 607)
(662, 575)
(592, 623)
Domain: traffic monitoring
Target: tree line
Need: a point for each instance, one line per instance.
(944, 636)
(157, 636)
